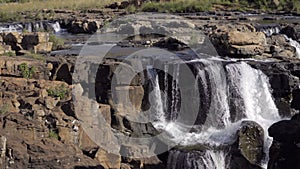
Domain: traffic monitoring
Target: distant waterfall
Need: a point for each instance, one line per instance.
(226, 88)
(31, 27)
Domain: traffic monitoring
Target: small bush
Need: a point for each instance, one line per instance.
(53, 134)
(58, 43)
(58, 91)
(26, 71)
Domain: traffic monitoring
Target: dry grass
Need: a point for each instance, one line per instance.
(35, 5)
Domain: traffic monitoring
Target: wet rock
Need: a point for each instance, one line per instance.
(284, 151)
(85, 26)
(251, 141)
(285, 131)
(291, 31)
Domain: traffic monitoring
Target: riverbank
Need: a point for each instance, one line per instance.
(52, 9)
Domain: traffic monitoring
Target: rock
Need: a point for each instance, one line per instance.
(296, 99)
(290, 31)
(245, 51)
(85, 26)
(128, 100)
(284, 151)
(43, 93)
(285, 131)
(38, 42)
(4, 49)
(140, 156)
(108, 160)
(246, 38)
(35, 38)
(45, 47)
(251, 142)
(65, 135)
(51, 103)
(105, 111)
(13, 39)
(40, 113)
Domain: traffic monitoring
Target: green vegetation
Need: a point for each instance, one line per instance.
(10, 54)
(53, 134)
(178, 6)
(58, 91)
(4, 109)
(26, 71)
(181, 6)
(15, 10)
(35, 56)
(58, 43)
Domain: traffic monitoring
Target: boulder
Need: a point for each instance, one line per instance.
(38, 42)
(108, 160)
(246, 38)
(251, 141)
(44, 47)
(85, 26)
(246, 51)
(285, 151)
(13, 39)
(285, 131)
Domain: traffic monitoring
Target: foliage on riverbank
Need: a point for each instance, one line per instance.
(15, 10)
(180, 6)
(12, 10)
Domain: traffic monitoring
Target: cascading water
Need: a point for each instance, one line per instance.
(31, 27)
(295, 44)
(218, 82)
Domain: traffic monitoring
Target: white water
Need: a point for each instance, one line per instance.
(159, 119)
(253, 87)
(271, 31)
(38, 26)
(219, 105)
(295, 44)
(259, 105)
(56, 27)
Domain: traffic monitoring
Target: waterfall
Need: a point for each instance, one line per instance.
(270, 31)
(157, 115)
(55, 26)
(31, 27)
(226, 86)
(295, 44)
(219, 109)
(207, 159)
(11, 28)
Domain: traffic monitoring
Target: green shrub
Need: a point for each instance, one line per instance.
(53, 134)
(58, 43)
(26, 71)
(58, 91)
